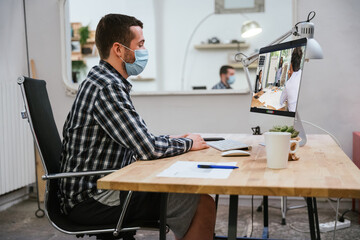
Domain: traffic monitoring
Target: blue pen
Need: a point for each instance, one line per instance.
(217, 166)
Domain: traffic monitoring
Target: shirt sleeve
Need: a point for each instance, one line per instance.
(283, 96)
(115, 113)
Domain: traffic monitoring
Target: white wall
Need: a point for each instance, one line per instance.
(44, 47)
(330, 87)
(178, 114)
(17, 159)
(329, 94)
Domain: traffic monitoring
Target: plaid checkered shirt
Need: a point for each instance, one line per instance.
(104, 131)
(221, 85)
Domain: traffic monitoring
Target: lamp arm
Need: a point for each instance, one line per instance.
(292, 31)
(253, 57)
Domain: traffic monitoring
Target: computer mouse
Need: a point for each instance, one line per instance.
(235, 153)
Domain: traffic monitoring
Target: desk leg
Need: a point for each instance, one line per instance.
(266, 218)
(233, 211)
(163, 209)
(316, 219)
(313, 218)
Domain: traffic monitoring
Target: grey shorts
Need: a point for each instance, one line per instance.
(105, 208)
(180, 212)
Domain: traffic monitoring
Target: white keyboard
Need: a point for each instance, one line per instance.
(228, 144)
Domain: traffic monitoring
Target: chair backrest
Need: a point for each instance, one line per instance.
(46, 136)
(42, 122)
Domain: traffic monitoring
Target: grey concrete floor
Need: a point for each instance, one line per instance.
(20, 222)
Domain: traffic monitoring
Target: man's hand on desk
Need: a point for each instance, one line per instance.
(198, 141)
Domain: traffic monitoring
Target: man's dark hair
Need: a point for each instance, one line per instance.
(296, 57)
(224, 69)
(281, 61)
(114, 28)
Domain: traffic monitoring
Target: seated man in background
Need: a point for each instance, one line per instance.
(278, 73)
(227, 77)
(258, 83)
(104, 131)
(291, 90)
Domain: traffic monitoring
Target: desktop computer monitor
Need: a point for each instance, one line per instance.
(277, 84)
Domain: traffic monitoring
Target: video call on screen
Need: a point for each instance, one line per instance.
(278, 77)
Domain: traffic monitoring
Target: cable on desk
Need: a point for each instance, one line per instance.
(322, 129)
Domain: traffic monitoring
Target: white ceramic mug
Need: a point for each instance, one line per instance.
(278, 149)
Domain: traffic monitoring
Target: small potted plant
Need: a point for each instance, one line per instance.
(84, 33)
(294, 136)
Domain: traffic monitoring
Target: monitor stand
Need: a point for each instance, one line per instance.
(299, 127)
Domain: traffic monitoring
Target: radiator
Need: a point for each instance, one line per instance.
(17, 161)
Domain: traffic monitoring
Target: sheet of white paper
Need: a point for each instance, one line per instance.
(186, 169)
(272, 98)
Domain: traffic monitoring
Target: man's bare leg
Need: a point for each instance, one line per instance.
(203, 224)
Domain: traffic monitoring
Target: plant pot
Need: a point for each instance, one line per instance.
(75, 76)
(86, 50)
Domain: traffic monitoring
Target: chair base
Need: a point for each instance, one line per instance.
(109, 236)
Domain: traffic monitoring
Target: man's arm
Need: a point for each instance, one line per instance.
(115, 113)
(198, 142)
(283, 96)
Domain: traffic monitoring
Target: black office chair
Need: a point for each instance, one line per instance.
(40, 117)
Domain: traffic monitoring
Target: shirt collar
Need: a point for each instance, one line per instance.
(224, 85)
(108, 67)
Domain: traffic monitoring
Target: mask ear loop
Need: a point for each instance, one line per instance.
(122, 59)
(126, 48)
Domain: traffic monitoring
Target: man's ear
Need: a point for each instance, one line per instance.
(223, 76)
(117, 49)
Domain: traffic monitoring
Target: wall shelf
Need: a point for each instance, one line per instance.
(221, 46)
(142, 79)
(254, 65)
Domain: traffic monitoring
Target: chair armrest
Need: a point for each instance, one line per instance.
(76, 174)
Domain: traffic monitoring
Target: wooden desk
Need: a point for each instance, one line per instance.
(323, 170)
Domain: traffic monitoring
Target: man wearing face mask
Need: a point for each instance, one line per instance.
(227, 77)
(104, 131)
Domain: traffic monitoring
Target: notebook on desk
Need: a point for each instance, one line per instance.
(228, 144)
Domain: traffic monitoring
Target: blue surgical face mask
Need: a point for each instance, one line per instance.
(231, 79)
(141, 59)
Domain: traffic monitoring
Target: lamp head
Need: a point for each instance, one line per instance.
(306, 29)
(250, 29)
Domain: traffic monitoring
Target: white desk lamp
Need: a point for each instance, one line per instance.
(313, 51)
(250, 29)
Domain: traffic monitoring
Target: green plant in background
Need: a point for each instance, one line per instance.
(285, 128)
(84, 34)
(78, 70)
(79, 66)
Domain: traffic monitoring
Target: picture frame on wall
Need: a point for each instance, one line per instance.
(75, 47)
